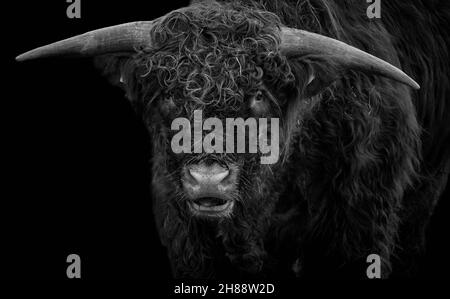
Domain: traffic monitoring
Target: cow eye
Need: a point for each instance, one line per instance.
(168, 105)
(169, 101)
(258, 102)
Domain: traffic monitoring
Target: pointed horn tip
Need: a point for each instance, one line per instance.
(415, 85)
(411, 82)
(21, 57)
(25, 56)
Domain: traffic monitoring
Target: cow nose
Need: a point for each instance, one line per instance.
(211, 175)
(201, 180)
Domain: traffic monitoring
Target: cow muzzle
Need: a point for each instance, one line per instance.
(210, 189)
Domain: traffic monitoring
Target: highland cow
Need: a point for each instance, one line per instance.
(364, 151)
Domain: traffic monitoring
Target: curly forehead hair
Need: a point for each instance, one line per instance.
(213, 55)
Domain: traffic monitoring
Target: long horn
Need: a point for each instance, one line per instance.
(299, 42)
(120, 38)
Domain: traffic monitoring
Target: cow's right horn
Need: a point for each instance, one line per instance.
(120, 38)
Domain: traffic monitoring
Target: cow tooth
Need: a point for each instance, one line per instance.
(220, 208)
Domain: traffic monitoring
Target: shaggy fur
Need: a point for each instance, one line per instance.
(351, 176)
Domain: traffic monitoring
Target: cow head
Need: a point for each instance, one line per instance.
(226, 61)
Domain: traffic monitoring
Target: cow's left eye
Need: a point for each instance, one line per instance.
(258, 102)
(167, 106)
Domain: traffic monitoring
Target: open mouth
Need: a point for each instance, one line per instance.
(211, 206)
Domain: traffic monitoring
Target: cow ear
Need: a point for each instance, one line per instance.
(115, 68)
(318, 80)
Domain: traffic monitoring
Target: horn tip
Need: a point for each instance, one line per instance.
(415, 85)
(26, 56)
(21, 57)
(412, 83)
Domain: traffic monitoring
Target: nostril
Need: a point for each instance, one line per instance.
(221, 176)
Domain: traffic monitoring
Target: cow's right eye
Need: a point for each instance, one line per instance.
(168, 100)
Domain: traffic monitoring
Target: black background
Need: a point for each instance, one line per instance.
(76, 158)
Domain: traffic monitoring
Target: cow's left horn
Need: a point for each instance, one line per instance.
(120, 38)
(300, 42)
